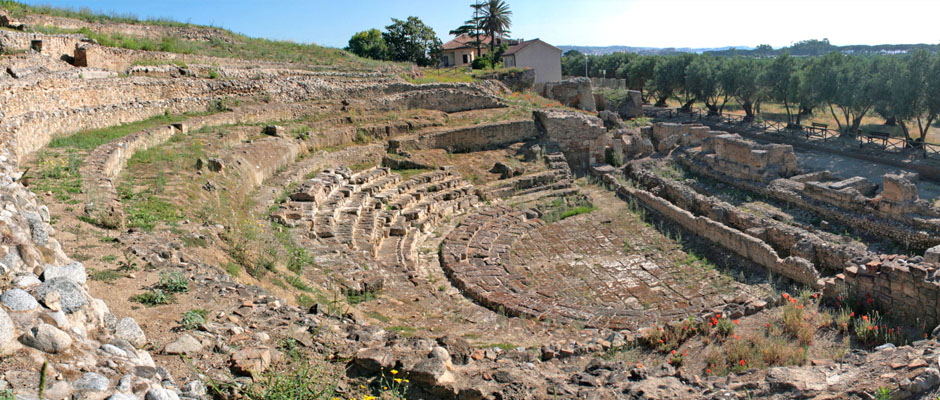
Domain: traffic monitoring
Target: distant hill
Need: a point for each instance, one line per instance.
(600, 50)
(812, 47)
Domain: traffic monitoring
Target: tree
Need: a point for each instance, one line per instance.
(702, 79)
(844, 83)
(782, 83)
(413, 41)
(572, 63)
(739, 78)
(473, 26)
(669, 80)
(496, 20)
(368, 44)
(914, 95)
(639, 74)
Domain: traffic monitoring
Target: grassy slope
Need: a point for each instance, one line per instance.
(240, 46)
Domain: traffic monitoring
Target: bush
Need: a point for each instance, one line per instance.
(152, 297)
(174, 282)
(612, 157)
(193, 319)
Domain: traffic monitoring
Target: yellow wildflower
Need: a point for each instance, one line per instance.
(394, 371)
(398, 380)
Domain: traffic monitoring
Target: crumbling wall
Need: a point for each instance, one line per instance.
(582, 138)
(466, 139)
(741, 243)
(55, 46)
(575, 93)
(906, 287)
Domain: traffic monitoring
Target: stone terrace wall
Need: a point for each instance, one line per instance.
(36, 109)
(471, 138)
(741, 243)
(149, 31)
(55, 46)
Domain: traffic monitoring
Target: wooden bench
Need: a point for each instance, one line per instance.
(819, 127)
(878, 136)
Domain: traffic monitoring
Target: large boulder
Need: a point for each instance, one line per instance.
(61, 293)
(47, 338)
(127, 329)
(575, 92)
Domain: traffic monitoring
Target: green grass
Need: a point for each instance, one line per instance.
(174, 282)
(405, 331)
(577, 211)
(306, 301)
(354, 299)
(158, 62)
(297, 283)
(105, 275)
(378, 316)
(88, 140)
(149, 211)
(152, 297)
(233, 269)
(193, 319)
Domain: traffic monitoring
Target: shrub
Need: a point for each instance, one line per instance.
(152, 297)
(174, 282)
(193, 319)
(612, 157)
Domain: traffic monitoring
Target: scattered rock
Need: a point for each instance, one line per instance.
(215, 164)
(251, 361)
(92, 382)
(185, 344)
(47, 338)
(61, 293)
(127, 329)
(7, 333)
(74, 271)
(161, 394)
(18, 300)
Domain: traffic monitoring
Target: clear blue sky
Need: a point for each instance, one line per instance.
(653, 23)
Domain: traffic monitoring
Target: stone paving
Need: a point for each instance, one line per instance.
(578, 269)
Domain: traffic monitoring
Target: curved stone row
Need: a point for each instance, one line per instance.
(375, 210)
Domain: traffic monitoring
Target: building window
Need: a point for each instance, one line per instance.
(465, 59)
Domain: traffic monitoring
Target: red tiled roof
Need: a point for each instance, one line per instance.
(465, 41)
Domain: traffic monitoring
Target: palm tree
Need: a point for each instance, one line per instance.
(496, 20)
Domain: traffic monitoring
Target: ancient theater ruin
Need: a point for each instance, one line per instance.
(189, 226)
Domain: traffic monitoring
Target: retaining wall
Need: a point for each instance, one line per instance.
(472, 138)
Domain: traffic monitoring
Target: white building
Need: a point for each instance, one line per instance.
(544, 58)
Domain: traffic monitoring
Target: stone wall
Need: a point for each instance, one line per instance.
(38, 109)
(910, 222)
(55, 46)
(471, 138)
(103, 166)
(907, 287)
(582, 138)
(575, 93)
(741, 243)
